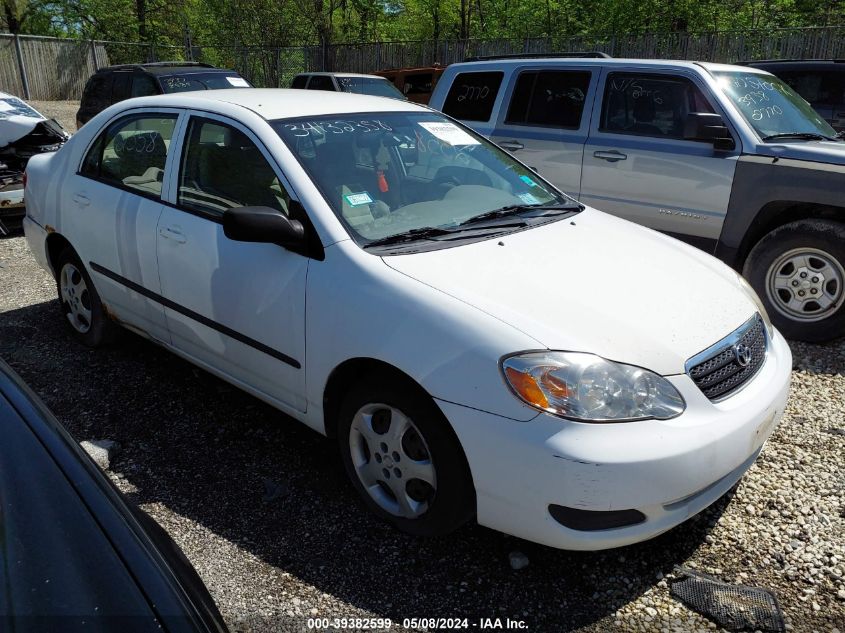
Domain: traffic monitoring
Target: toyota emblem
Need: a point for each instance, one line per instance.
(743, 354)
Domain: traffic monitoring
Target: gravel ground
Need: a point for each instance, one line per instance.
(200, 457)
(63, 111)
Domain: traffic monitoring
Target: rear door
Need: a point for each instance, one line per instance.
(237, 307)
(544, 121)
(112, 207)
(637, 164)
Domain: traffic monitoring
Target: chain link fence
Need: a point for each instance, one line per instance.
(55, 69)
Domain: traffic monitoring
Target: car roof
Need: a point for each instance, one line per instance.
(492, 64)
(322, 74)
(280, 103)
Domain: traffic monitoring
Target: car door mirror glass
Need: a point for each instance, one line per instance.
(263, 224)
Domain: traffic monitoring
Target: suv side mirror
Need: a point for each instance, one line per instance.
(263, 224)
(706, 126)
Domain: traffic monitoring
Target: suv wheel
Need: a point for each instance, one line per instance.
(403, 459)
(799, 272)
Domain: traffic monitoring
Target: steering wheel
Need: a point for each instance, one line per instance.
(445, 184)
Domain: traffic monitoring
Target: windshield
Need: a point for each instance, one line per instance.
(375, 86)
(202, 81)
(385, 174)
(770, 106)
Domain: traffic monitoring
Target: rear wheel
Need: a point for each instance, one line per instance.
(80, 303)
(403, 459)
(798, 270)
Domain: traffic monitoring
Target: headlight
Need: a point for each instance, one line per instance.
(589, 388)
(752, 294)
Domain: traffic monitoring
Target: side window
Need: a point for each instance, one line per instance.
(98, 92)
(321, 82)
(132, 153)
(553, 98)
(649, 105)
(472, 95)
(223, 169)
(143, 86)
(817, 87)
(120, 86)
(299, 81)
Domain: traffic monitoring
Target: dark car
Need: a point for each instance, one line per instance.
(116, 83)
(347, 82)
(820, 82)
(74, 554)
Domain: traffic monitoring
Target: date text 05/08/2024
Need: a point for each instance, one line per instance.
(374, 624)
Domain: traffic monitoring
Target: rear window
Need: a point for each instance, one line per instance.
(554, 98)
(202, 81)
(321, 82)
(472, 95)
(299, 81)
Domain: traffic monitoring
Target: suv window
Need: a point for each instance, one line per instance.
(143, 86)
(321, 82)
(120, 86)
(132, 152)
(472, 95)
(549, 98)
(98, 91)
(223, 169)
(299, 81)
(817, 87)
(649, 105)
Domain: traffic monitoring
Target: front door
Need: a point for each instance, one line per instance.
(236, 307)
(637, 164)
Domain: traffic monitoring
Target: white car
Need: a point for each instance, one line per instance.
(478, 343)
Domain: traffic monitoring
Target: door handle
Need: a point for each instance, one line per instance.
(173, 233)
(81, 199)
(511, 146)
(611, 155)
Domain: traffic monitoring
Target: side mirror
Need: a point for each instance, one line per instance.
(709, 127)
(263, 224)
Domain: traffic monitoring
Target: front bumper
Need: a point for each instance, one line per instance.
(667, 470)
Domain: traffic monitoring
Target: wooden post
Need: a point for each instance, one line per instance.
(22, 67)
(94, 55)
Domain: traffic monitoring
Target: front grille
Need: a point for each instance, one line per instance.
(718, 371)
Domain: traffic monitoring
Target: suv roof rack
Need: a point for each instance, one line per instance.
(173, 64)
(579, 54)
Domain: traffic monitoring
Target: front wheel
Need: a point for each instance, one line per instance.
(403, 459)
(798, 270)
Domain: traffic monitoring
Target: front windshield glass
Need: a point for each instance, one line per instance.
(370, 86)
(202, 81)
(385, 174)
(770, 106)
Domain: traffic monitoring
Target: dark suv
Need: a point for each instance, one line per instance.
(821, 82)
(116, 83)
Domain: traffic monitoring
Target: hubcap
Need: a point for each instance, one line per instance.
(806, 284)
(75, 298)
(392, 460)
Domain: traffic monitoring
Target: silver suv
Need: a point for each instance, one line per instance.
(728, 158)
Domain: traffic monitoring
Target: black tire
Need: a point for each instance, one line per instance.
(452, 502)
(822, 239)
(101, 329)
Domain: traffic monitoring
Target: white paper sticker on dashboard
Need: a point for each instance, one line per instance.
(528, 198)
(357, 199)
(449, 133)
(238, 82)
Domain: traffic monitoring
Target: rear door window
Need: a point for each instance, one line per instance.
(649, 105)
(98, 92)
(321, 82)
(120, 86)
(549, 98)
(132, 153)
(472, 95)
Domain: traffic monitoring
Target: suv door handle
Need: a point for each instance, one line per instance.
(511, 146)
(81, 199)
(173, 233)
(611, 156)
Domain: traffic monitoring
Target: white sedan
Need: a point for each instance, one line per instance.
(480, 344)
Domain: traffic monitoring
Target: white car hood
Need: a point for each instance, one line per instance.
(17, 119)
(594, 283)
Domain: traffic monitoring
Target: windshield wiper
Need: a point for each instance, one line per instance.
(421, 233)
(802, 136)
(514, 209)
